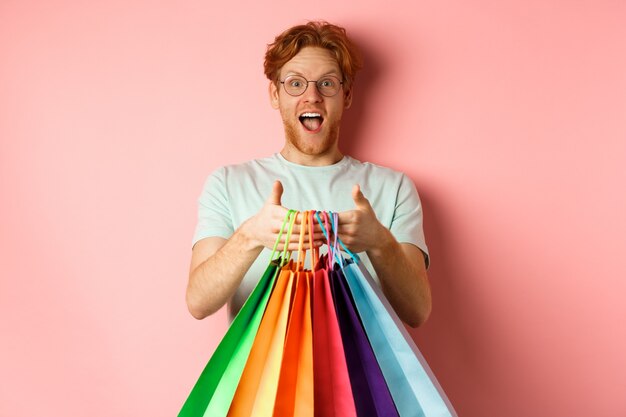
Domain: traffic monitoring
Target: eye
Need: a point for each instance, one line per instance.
(296, 83)
(327, 83)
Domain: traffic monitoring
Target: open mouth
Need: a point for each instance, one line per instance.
(312, 122)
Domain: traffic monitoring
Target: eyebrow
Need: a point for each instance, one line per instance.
(331, 72)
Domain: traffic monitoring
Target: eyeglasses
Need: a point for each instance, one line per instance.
(296, 85)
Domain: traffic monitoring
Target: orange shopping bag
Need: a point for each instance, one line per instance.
(256, 391)
(213, 393)
(257, 388)
(295, 389)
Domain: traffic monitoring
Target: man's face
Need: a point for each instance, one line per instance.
(317, 136)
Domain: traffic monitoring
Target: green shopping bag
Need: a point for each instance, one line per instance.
(213, 392)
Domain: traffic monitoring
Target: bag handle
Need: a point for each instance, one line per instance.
(280, 234)
(303, 232)
(333, 251)
(307, 224)
(354, 256)
(291, 217)
(332, 247)
(337, 255)
(314, 251)
(325, 232)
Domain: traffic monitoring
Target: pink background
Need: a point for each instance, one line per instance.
(509, 115)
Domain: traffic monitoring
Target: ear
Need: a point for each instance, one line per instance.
(347, 100)
(273, 91)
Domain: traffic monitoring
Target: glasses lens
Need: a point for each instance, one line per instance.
(295, 85)
(328, 86)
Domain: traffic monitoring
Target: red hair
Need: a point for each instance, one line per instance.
(316, 34)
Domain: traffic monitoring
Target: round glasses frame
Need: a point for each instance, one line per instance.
(325, 90)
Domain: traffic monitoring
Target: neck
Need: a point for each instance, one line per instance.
(328, 158)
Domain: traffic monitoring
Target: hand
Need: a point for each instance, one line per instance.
(359, 229)
(263, 228)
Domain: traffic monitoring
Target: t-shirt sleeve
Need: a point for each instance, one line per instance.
(214, 219)
(407, 222)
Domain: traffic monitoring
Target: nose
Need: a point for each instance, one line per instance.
(312, 94)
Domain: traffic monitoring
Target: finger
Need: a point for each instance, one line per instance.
(295, 239)
(328, 227)
(295, 235)
(276, 194)
(296, 230)
(294, 244)
(317, 227)
(278, 221)
(293, 247)
(347, 217)
(359, 199)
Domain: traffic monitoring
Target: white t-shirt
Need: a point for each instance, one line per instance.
(234, 193)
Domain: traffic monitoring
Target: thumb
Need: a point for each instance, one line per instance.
(359, 199)
(277, 192)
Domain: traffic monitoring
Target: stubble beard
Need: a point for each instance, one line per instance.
(307, 147)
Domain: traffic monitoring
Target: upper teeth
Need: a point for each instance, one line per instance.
(311, 115)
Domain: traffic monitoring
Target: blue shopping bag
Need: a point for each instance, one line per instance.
(413, 386)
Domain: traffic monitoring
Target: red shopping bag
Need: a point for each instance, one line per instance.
(370, 391)
(333, 392)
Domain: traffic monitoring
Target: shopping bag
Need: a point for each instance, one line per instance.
(213, 392)
(295, 387)
(412, 384)
(370, 393)
(217, 383)
(333, 392)
(369, 389)
(258, 391)
(320, 343)
(257, 388)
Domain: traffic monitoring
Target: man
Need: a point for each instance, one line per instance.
(311, 69)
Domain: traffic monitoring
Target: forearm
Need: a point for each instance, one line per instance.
(214, 281)
(402, 274)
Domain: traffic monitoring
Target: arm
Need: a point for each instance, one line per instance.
(217, 268)
(218, 265)
(400, 266)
